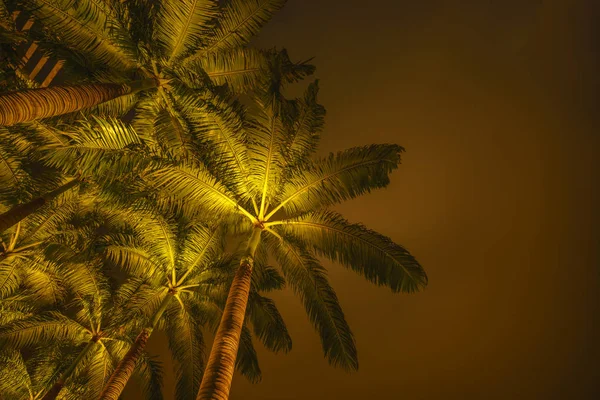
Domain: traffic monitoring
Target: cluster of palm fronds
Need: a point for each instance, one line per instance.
(157, 188)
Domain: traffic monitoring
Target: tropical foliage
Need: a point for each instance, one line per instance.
(170, 188)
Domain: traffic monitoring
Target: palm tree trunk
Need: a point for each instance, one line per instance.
(218, 374)
(118, 379)
(58, 385)
(22, 211)
(32, 104)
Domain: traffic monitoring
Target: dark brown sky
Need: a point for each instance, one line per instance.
(494, 101)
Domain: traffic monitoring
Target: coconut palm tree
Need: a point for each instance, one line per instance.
(268, 186)
(177, 278)
(73, 282)
(130, 47)
(90, 344)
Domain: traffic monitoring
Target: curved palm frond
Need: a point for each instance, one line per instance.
(186, 343)
(374, 256)
(89, 27)
(239, 21)
(339, 177)
(99, 148)
(16, 381)
(239, 68)
(48, 327)
(308, 279)
(246, 362)
(199, 189)
(182, 25)
(267, 323)
(306, 124)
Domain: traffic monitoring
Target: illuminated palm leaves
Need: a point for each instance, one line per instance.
(271, 180)
(193, 44)
(166, 260)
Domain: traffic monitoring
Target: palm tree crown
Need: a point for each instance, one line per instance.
(264, 180)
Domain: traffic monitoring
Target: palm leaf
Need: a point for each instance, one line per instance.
(15, 381)
(374, 256)
(200, 190)
(246, 361)
(339, 177)
(267, 323)
(89, 27)
(308, 279)
(43, 328)
(187, 348)
(240, 68)
(240, 20)
(182, 25)
(306, 124)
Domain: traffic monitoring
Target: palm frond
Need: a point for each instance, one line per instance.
(307, 122)
(222, 127)
(43, 328)
(200, 247)
(149, 373)
(266, 144)
(246, 361)
(182, 25)
(99, 148)
(136, 261)
(187, 347)
(374, 256)
(10, 274)
(16, 381)
(239, 68)
(90, 27)
(308, 279)
(201, 191)
(339, 177)
(240, 20)
(267, 323)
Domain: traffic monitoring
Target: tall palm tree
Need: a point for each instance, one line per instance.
(132, 46)
(177, 282)
(266, 182)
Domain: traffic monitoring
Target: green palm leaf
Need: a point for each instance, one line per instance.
(89, 27)
(339, 177)
(308, 279)
(200, 190)
(240, 20)
(186, 343)
(246, 361)
(181, 26)
(267, 323)
(47, 327)
(240, 68)
(367, 252)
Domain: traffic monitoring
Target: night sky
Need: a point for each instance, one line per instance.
(494, 101)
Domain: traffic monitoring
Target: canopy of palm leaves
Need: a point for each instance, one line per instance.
(193, 45)
(215, 153)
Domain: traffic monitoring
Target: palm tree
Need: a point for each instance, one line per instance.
(93, 343)
(177, 274)
(89, 321)
(132, 46)
(266, 183)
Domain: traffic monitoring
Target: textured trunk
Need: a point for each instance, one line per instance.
(58, 385)
(22, 211)
(221, 362)
(32, 104)
(120, 376)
